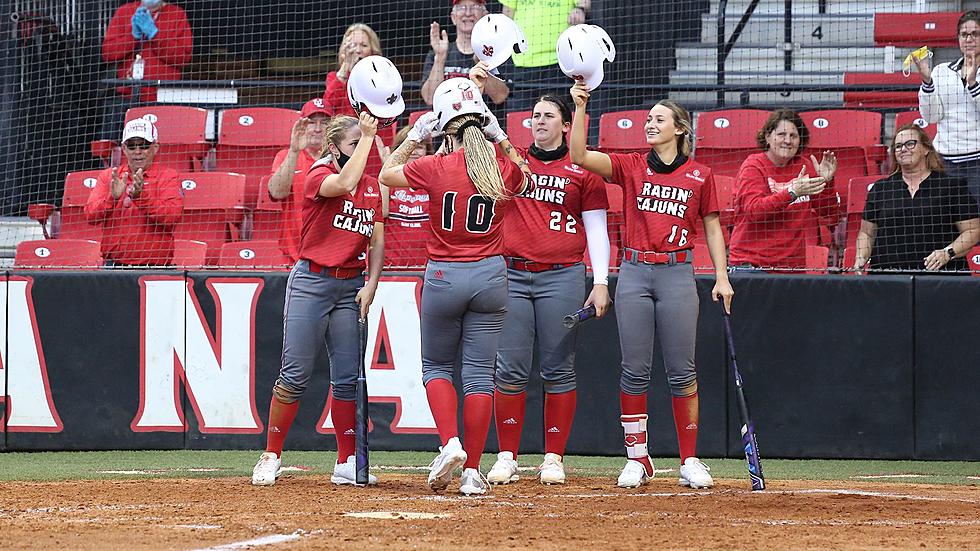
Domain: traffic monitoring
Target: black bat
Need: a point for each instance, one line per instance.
(361, 464)
(749, 442)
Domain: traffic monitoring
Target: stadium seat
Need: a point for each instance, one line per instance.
(267, 216)
(41, 213)
(249, 139)
(912, 30)
(260, 254)
(78, 186)
(858, 189)
(973, 260)
(519, 128)
(817, 259)
(213, 209)
(855, 137)
(913, 117)
(724, 186)
(882, 99)
(623, 131)
(615, 219)
(181, 134)
(190, 254)
(726, 137)
(58, 253)
(702, 258)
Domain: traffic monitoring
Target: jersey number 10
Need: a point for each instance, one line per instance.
(479, 212)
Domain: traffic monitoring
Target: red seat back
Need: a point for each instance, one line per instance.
(623, 131)
(973, 259)
(519, 128)
(937, 29)
(181, 134)
(857, 193)
(836, 129)
(702, 258)
(729, 128)
(214, 208)
(817, 258)
(914, 117)
(724, 186)
(267, 216)
(256, 127)
(263, 254)
(190, 254)
(58, 253)
(78, 186)
(882, 99)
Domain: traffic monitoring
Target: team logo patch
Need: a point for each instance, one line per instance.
(318, 102)
(457, 106)
(438, 274)
(696, 175)
(391, 99)
(487, 50)
(649, 172)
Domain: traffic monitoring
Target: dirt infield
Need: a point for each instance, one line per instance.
(307, 512)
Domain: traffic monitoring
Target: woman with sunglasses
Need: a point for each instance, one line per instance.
(919, 218)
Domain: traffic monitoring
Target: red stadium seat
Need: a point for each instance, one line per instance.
(973, 259)
(262, 254)
(249, 139)
(913, 30)
(267, 216)
(58, 253)
(856, 196)
(214, 209)
(913, 117)
(817, 259)
(726, 137)
(181, 131)
(702, 258)
(190, 254)
(724, 186)
(519, 128)
(78, 186)
(623, 131)
(615, 220)
(882, 99)
(854, 136)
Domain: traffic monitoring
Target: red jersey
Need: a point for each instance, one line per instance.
(337, 230)
(407, 228)
(163, 56)
(140, 231)
(292, 212)
(466, 226)
(661, 210)
(770, 231)
(547, 225)
(336, 102)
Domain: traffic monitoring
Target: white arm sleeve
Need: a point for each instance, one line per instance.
(597, 238)
(930, 103)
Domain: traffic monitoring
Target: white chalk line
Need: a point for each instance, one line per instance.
(257, 542)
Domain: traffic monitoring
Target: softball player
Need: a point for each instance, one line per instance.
(544, 239)
(326, 291)
(666, 193)
(464, 298)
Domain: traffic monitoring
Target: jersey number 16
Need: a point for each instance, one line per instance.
(479, 212)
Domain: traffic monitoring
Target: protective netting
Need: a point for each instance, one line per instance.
(224, 83)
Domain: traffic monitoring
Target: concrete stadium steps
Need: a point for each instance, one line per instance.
(759, 78)
(737, 7)
(808, 29)
(767, 58)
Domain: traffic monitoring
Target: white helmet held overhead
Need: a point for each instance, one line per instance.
(455, 97)
(375, 86)
(581, 51)
(495, 38)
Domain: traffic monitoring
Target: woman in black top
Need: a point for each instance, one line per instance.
(918, 218)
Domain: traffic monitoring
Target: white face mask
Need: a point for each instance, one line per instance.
(151, 4)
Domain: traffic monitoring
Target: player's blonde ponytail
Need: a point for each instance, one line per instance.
(481, 161)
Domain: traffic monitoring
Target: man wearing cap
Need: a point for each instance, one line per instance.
(451, 60)
(290, 168)
(137, 204)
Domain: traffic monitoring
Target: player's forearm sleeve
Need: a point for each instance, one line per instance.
(597, 239)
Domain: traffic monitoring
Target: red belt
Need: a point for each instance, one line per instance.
(526, 265)
(634, 256)
(336, 273)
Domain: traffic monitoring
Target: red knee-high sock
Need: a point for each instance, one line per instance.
(477, 411)
(686, 421)
(636, 404)
(559, 411)
(281, 416)
(443, 404)
(509, 414)
(343, 412)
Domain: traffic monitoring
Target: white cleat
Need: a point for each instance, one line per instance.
(266, 470)
(504, 471)
(552, 469)
(634, 474)
(472, 483)
(346, 473)
(694, 474)
(441, 470)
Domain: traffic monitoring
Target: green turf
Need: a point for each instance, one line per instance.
(39, 466)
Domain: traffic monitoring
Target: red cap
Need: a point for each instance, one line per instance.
(313, 107)
(477, 1)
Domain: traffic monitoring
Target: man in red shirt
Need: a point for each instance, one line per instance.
(151, 33)
(137, 204)
(289, 172)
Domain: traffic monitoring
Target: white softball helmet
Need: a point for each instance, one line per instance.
(495, 38)
(581, 51)
(375, 86)
(455, 97)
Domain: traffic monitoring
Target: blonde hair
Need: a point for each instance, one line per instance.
(682, 120)
(334, 132)
(372, 37)
(933, 161)
(481, 160)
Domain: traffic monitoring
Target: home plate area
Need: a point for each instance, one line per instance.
(308, 512)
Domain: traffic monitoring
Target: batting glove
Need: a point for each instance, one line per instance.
(492, 130)
(424, 127)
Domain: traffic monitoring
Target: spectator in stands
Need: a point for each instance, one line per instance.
(137, 205)
(780, 197)
(359, 41)
(289, 172)
(408, 228)
(919, 218)
(151, 37)
(950, 98)
(451, 60)
(542, 23)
